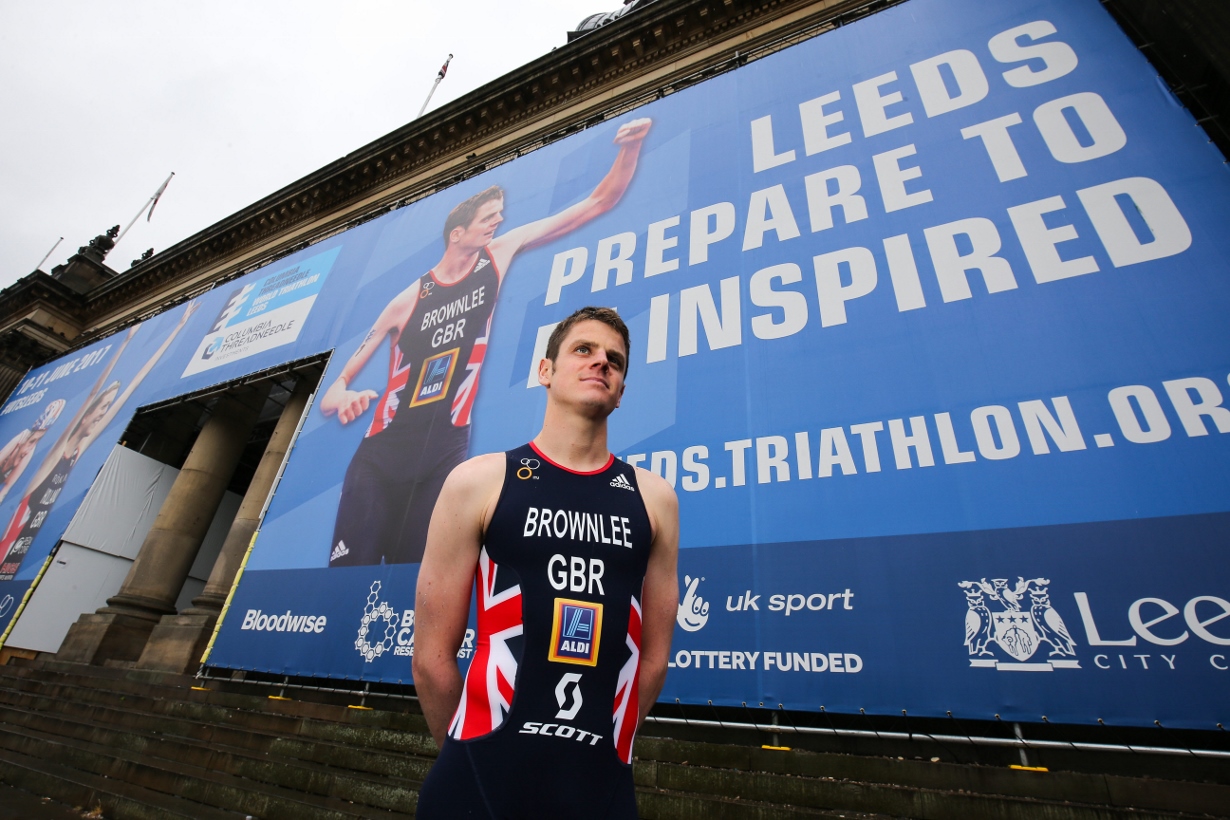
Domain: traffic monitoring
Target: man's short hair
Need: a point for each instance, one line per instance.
(606, 315)
(463, 214)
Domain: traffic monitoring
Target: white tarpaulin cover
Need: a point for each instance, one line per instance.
(122, 504)
(100, 544)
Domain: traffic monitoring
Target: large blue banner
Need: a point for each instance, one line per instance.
(927, 332)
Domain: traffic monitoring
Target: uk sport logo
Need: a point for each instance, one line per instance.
(1022, 620)
(622, 483)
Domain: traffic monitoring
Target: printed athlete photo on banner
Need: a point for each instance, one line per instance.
(102, 405)
(437, 331)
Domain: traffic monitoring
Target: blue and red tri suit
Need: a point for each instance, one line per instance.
(550, 703)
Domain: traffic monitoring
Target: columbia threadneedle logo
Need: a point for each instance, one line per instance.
(622, 483)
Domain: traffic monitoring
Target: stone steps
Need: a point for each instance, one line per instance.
(204, 785)
(115, 797)
(144, 744)
(364, 786)
(964, 789)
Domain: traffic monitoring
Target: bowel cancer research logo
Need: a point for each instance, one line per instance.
(386, 630)
(1017, 621)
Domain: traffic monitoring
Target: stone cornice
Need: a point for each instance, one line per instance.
(24, 344)
(39, 290)
(619, 63)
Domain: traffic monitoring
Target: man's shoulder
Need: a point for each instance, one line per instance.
(479, 469)
(656, 490)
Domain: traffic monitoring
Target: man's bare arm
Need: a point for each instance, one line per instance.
(349, 404)
(603, 198)
(446, 576)
(660, 596)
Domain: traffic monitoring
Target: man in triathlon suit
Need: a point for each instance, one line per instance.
(573, 553)
(437, 330)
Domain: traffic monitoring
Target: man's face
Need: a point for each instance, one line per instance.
(481, 229)
(589, 370)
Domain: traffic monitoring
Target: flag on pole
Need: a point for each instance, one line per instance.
(439, 77)
(149, 204)
(158, 196)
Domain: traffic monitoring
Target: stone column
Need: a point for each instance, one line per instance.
(177, 642)
(119, 630)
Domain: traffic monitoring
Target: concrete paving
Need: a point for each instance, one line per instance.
(16, 804)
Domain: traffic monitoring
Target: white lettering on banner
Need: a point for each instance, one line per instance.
(1057, 57)
(972, 83)
(1146, 616)
(797, 602)
(789, 603)
(736, 660)
(999, 146)
(46, 377)
(448, 312)
(993, 433)
(257, 621)
(816, 122)
(614, 254)
(1134, 218)
(956, 250)
(1161, 663)
(1093, 112)
(834, 188)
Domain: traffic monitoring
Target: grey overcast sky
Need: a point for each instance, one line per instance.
(239, 98)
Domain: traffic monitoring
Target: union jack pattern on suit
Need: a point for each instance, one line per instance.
(20, 517)
(463, 401)
(488, 691)
(399, 374)
(627, 688)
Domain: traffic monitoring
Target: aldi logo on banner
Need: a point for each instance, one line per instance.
(1022, 622)
(435, 377)
(575, 632)
(263, 315)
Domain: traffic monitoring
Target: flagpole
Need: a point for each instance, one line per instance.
(49, 253)
(439, 77)
(148, 204)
